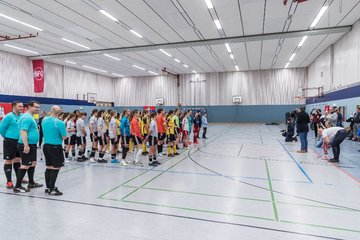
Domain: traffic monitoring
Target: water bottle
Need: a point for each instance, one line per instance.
(88, 153)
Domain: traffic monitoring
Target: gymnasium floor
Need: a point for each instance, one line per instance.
(244, 182)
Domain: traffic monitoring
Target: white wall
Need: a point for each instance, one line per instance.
(344, 56)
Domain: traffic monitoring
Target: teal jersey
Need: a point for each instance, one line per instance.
(54, 130)
(28, 123)
(9, 127)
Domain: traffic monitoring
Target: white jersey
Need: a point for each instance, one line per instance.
(331, 132)
(93, 121)
(70, 125)
(101, 125)
(79, 125)
(112, 128)
(153, 128)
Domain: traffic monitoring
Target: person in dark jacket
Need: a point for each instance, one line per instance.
(197, 126)
(43, 114)
(302, 123)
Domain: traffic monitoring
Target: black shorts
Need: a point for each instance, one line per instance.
(54, 155)
(10, 149)
(152, 141)
(171, 137)
(71, 140)
(27, 158)
(80, 140)
(161, 136)
(106, 133)
(101, 141)
(125, 140)
(93, 137)
(136, 140)
(66, 141)
(113, 142)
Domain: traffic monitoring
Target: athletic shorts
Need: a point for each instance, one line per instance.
(152, 141)
(171, 137)
(93, 137)
(113, 142)
(185, 134)
(125, 140)
(80, 140)
(71, 140)
(177, 131)
(54, 155)
(161, 136)
(136, 140)
(10, 149)
(106, 133)
(27, 158)
(66, 141)
(101, 141)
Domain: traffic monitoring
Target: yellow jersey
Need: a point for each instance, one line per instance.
(171, 126)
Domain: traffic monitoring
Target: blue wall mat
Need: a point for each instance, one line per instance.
(43, 100)
(350, 92)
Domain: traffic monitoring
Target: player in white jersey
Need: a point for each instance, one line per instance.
(81, 136)
(93, 134)
(113, 136)
(101, 136)
(71, 134)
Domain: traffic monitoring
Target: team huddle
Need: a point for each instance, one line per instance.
(129, 131)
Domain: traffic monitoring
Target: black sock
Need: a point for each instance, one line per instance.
(16, 166)
(73, 153)
(8, 170)
(124, 152)
(80, 153)
(53, 177)
(150, 159)
(101, 155)
(154, 158)
(92, 154)
(19, 177)
(159, 148)
(31, 173)
(66, 154)
(47, 177)
(113, 156)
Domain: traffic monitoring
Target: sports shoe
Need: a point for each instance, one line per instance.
(102, 161)
(160, 155)
(325, 157)
(154, 163)
(69, 158)
(176, 154)
(114, 161)
(35, 185)
(128, 161)
(145, 153)
(47, 190)
(92, 160)
(301, 151)
(157, 163)
(333, 160)
(170, 155)
(55, 192)
(139, 164)
(9, 185)
(123, 163)
(21, 190)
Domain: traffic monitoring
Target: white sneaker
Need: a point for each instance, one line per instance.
(139, 164)
(92, 160)
(128, 161)
(123, 163)
(160, 155)
(68, 160)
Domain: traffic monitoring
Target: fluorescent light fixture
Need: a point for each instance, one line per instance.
(185, 65)
(70, 62)
(209, 4)
(237, 67)
(118, 75)
(228, 47)
(231, 56)
(302, 41)
(165, 52)
(96, 69)
(19, 48)
(318, 17)
(217, 23)
(137, 34)
(115, 58)
(108, 15)
(177, 60)
(292, 57)
(75, 43)
(194, 71)
(25, 24)
(153, 73)
(287, 65)
(136, 66)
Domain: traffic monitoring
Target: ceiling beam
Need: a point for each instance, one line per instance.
(197, 43)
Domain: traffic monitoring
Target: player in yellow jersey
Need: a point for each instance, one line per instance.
(144, 124)
(170, 131)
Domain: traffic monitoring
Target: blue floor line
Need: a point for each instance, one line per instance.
(296, 162)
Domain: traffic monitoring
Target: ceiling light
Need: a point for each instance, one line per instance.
(137, 34)
(292, 57)
(231, 56)
(115, 58)
(302, 41)
(118, 75)
(22, 49)
(70, 62)
(194, 71)
(78, 44)
(168, 54)
(217, 23)
(96, 69)
(237, 67)
(185, 65)
(228, 47)
(177, 60)
(153, 73)
(209, 4)
(135, 66)
(15, 20)
(108, 15)
(318, 17)
(287, 65)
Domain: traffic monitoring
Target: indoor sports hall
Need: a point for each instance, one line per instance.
(180, 119)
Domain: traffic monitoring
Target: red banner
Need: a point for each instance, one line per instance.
(38, 73)
(5, 108)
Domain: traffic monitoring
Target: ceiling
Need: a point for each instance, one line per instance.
(169, 21)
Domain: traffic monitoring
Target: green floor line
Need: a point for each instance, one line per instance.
(321, 226)
(272, 193)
